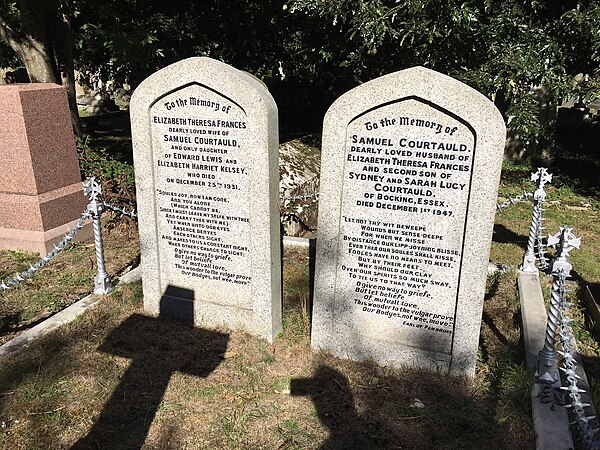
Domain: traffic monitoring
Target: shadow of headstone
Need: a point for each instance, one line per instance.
(158, 348)
(503, 235)
(178, 304)
(330, 392)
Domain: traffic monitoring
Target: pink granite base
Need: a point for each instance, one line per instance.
(36, 222)
(42, 241)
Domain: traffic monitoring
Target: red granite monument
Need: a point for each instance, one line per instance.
(41, 195)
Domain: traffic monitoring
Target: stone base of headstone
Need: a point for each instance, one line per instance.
(41, 196)
(27, 236)
(101, 104)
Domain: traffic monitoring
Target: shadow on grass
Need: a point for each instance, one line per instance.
(515, 175)
(13, 323)
(578, 162)
(112, 133)
(158, 349)
(112, 124)
(364, 407)
(503, 235)
(384, 416)
(590, 302)
(330, 392)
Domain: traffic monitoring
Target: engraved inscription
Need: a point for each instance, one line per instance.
(201, 169)
(407, 178)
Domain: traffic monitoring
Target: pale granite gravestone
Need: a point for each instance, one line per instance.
(205, 144)
(41, 197)
(410, 170)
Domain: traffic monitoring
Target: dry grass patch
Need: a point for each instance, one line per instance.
(118, 379)
(63, 281)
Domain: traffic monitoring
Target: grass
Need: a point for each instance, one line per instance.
(235, 391)
(66, 279)
(562, 207)
(116, 378)
(119, 379)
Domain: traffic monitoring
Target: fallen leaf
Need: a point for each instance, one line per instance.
(417, 403)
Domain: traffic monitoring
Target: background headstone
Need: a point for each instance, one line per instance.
(41, 196)
(205, 154)
(410, 170)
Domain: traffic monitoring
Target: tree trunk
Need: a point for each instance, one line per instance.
(36, 61)
(46, 60)
(63, 45)
(34, 49)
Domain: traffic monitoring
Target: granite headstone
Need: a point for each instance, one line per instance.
(41, 196)
(410, 170)
(206, 162)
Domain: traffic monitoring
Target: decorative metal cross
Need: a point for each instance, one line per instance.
(564, 242)
(541, 177)
(93, 189)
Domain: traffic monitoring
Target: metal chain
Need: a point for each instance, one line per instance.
(590, 436)
(512, 201)
(119, 210)
(46, 259)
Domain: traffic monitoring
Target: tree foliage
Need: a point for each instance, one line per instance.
(502, 48)
(39, 33)
(126, 40)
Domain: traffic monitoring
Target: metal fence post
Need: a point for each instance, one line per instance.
(93, 189)
(564, 241)
(539, 196)
(584, 413)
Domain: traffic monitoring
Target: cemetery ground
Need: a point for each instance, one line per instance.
(123, 379)
(119, 379)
